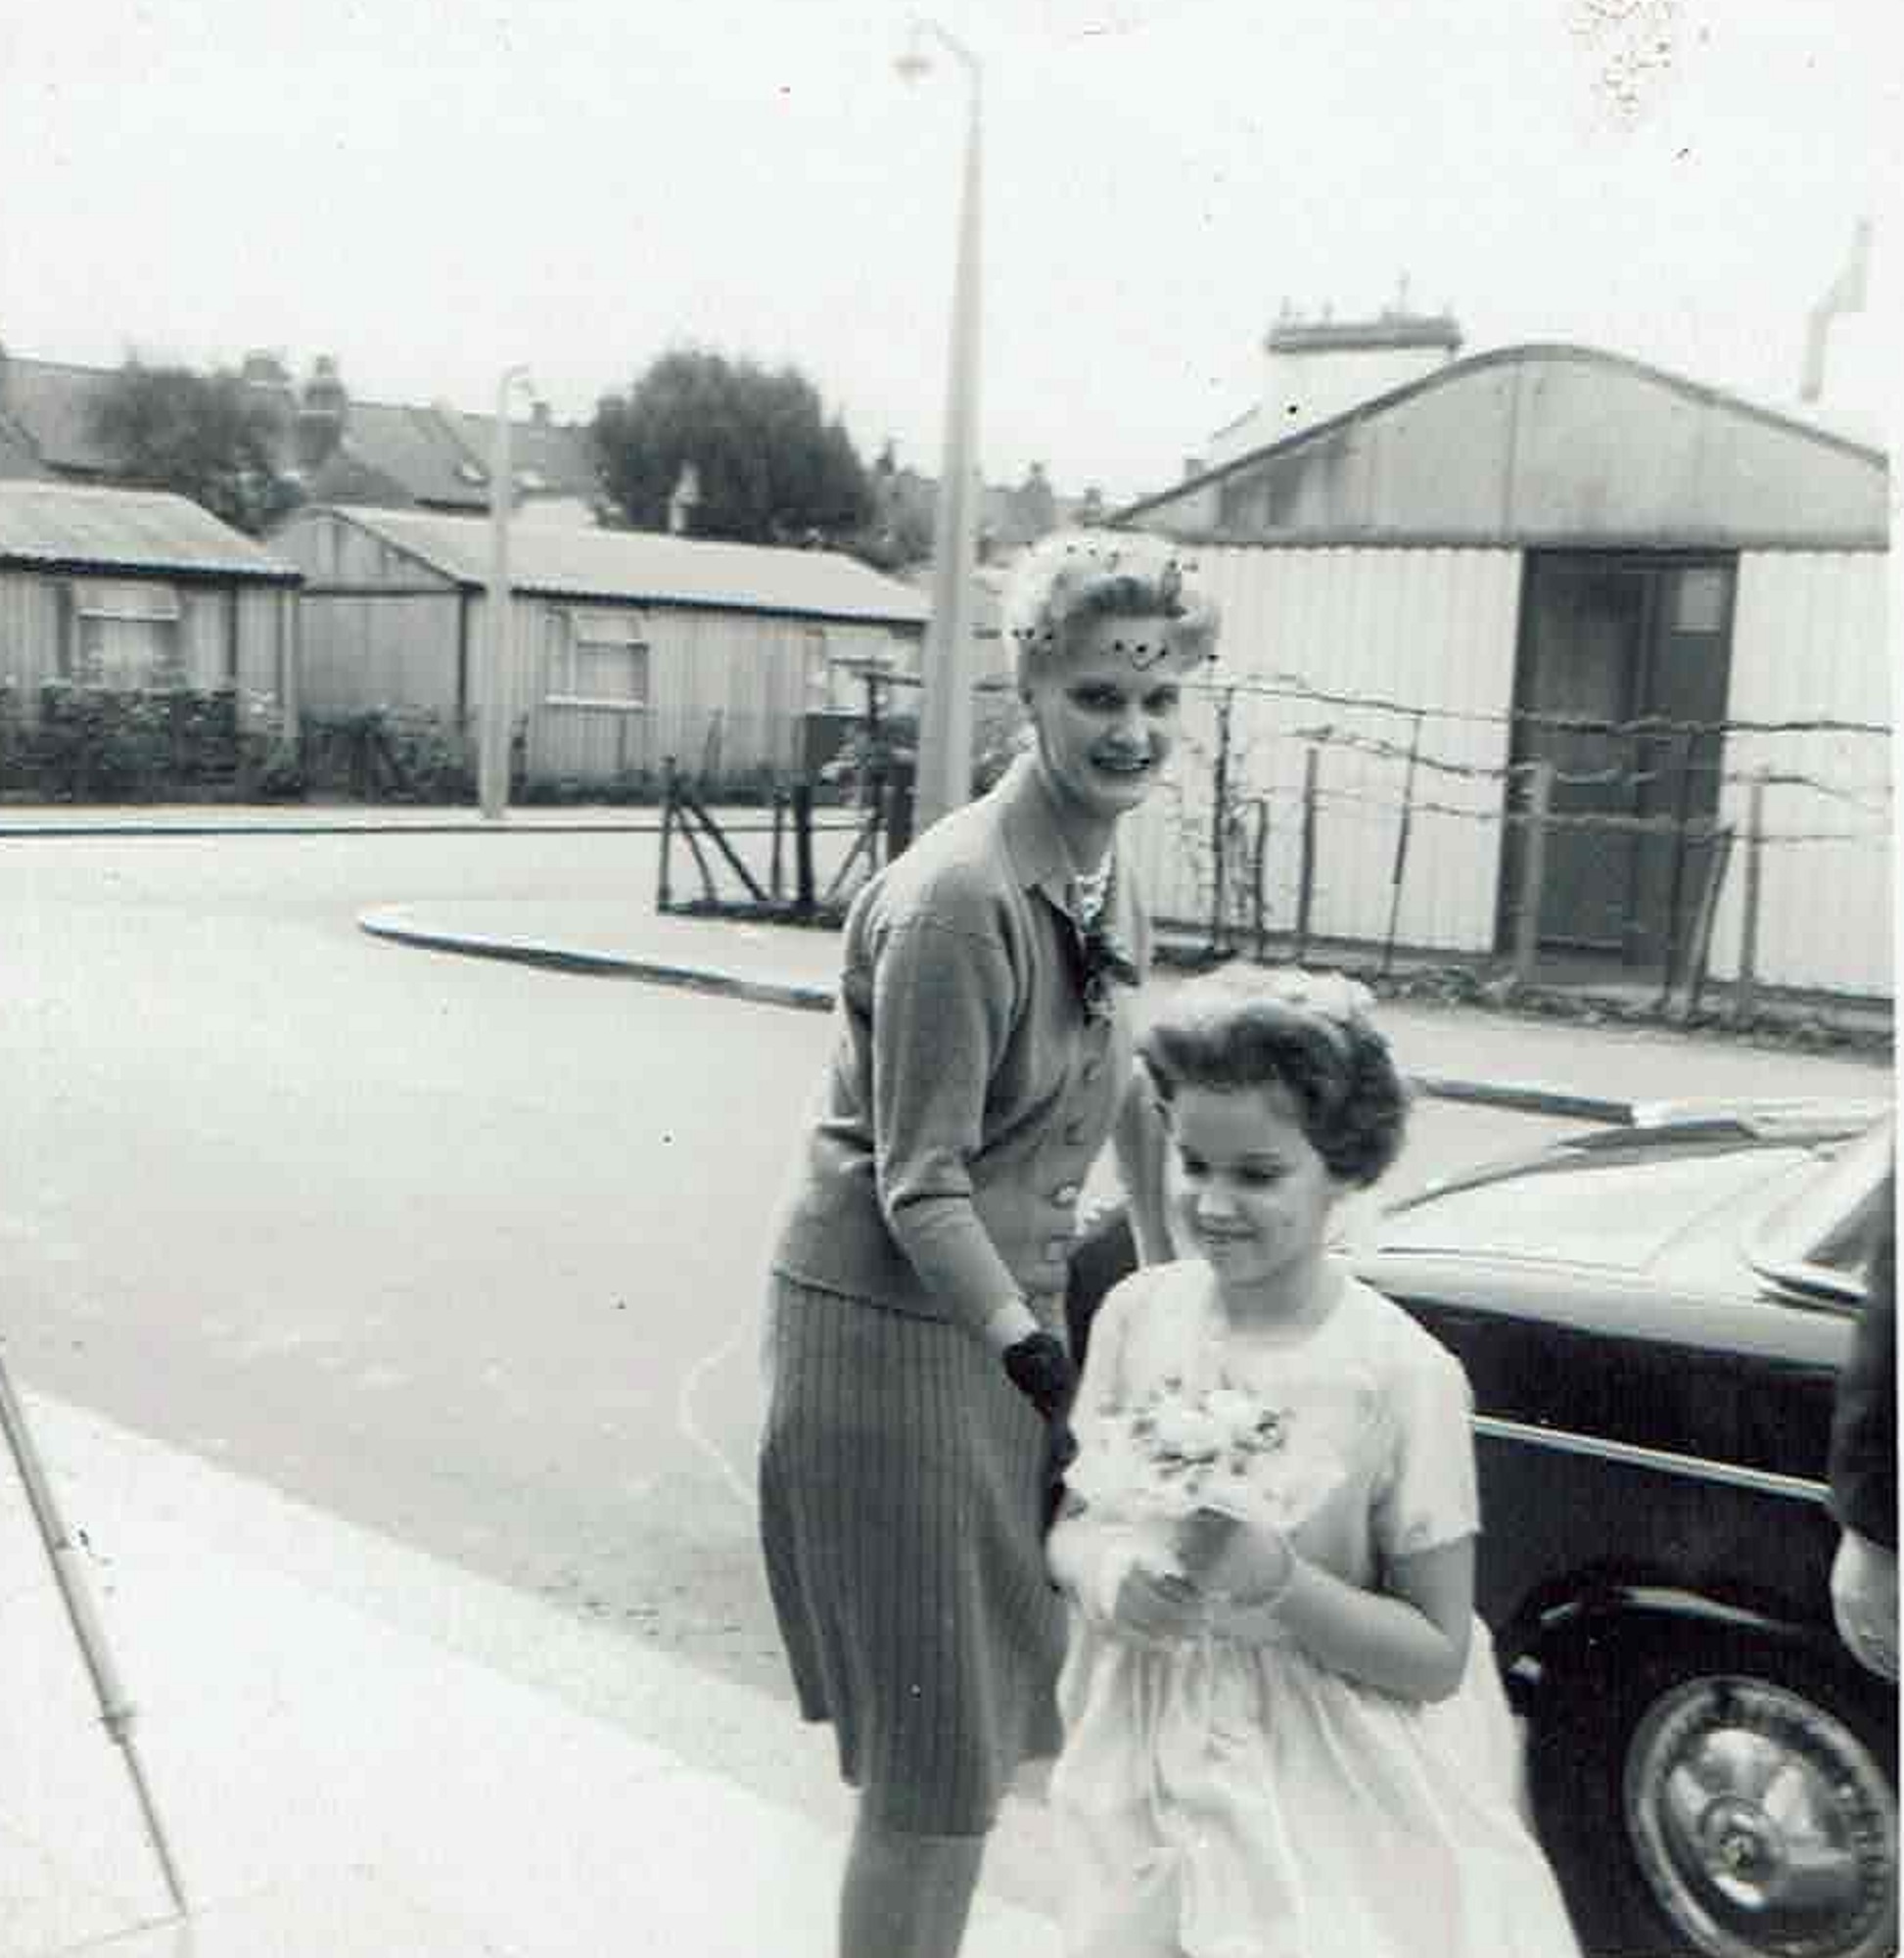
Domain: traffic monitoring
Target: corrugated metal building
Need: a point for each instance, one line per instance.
(1551, 553)
(625, 647)
(132, 588)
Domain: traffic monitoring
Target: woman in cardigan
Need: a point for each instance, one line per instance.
(915, 1346)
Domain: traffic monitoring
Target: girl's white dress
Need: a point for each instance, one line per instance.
(1222, 1800)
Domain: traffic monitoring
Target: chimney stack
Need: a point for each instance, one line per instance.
(322, 413)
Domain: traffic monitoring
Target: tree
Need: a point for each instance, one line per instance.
(208, 436)
(769, 466)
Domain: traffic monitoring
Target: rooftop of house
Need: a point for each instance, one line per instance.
(90, 528)
(342, 449)
(581, 563)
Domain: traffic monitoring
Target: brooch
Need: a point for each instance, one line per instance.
(1100, 957)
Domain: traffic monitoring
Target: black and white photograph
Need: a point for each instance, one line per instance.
(947, 979)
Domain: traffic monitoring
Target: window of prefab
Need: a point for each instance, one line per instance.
(600, 655)
(125, 636)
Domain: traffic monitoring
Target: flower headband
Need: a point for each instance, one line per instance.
(1329, 996)
(1331, 1003)
(1163, 600)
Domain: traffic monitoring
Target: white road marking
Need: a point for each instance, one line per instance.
(739, 1485)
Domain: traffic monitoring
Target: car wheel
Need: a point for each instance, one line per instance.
(1754, 1816)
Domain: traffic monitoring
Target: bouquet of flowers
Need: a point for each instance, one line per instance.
(1179, 1450)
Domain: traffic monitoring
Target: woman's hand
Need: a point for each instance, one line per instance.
(1243, 1561)
(1160, 1605)
(1040, 1368)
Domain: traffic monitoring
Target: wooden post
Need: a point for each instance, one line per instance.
(662, 894)
(1306, 877)
(1262, 860)
(1699, 952)
(1676, 884)
(899, 815)
(773, 870)
(1745, 996)
(689, 809)
(803, 848)
(1219, 822)
(693, 805)
(1401, 846)
(1533, 871)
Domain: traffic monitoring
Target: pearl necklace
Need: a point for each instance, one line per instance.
(1094, 888)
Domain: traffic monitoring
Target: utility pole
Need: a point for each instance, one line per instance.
(492, 737)
(943, 778)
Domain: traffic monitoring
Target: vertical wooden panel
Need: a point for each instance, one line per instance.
(29, 634)
(1810, 643)
(1431, 627)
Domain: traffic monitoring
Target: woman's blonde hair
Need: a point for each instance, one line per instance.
(1072, 576)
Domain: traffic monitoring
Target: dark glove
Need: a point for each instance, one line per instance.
(1040, 1368)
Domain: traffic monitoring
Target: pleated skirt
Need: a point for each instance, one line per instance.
(902, 1482)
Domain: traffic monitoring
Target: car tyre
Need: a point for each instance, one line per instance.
(1720, 1802)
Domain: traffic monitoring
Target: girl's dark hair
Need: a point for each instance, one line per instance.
(1240, 1028)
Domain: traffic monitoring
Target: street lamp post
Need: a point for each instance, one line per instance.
(944, 761)
(493, 741)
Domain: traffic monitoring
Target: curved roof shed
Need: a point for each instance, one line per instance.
(1545, 446)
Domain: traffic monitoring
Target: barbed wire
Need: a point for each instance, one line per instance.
(1876, 797)
(1697, 829)
(1293, 686)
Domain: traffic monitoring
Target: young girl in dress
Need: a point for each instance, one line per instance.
(1285, 1733)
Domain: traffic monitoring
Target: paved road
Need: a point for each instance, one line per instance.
(447, 1247)
(462, 1251)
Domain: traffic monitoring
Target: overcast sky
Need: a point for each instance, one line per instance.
(433, 190)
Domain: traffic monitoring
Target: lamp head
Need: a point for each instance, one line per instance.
(912, 61)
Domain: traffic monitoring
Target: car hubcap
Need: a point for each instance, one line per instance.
(1763, 1823)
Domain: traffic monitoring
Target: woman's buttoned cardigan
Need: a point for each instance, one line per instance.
(969, 1089)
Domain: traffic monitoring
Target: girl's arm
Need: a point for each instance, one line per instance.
(1410, 1638)
(1097, 1562)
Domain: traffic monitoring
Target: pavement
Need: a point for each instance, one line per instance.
(354, 1749)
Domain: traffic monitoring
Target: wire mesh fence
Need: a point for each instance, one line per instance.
(1296, 813)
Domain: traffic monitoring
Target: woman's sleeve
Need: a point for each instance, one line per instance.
(1140, 1147)
(942, 998)
(1430, 1493)
(1864, 1415)
(1088, 1553)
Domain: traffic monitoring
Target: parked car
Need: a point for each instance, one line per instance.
(1653, 1318)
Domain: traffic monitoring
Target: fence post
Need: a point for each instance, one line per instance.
(1220, 821)
(1306, 878)
(803, 848)
(774, 866)
(1533, 871)
(1676, 885)
(1700, 953)
(1262, 858)
(661, 893)
(1401, 846)
(1745, 996)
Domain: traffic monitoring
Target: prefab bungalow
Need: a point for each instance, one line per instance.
(624, 647)
(1551, 562)
(134, 589)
